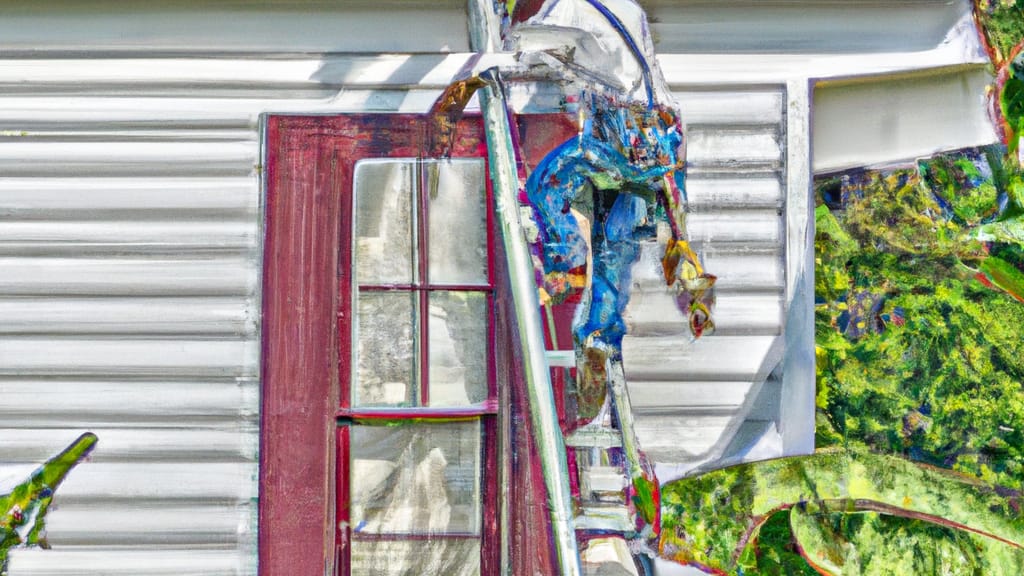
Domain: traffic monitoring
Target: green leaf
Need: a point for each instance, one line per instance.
(776, 552)
(24, 508)
(873, 543)
(1011, 100)
(1010, 231)
(827, 226)
(1004, 275)
(716, 516)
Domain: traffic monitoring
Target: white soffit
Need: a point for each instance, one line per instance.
(890, 119)
(743, 41)
(801, 26)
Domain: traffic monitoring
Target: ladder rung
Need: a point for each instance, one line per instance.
(607, 555)
(605, 518)
(594, 438)
(605, 478)
(561, 358)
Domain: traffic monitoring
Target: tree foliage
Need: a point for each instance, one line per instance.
(1003, 25)
(920, 348)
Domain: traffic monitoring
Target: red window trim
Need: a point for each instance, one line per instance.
(486, 408)
(310, 160)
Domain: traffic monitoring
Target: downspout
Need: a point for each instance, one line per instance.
(543, 417)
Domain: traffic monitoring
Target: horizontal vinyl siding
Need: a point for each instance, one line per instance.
(691, 397)
(886, 120)
(236, 26)
(802, 26)
(129, 306)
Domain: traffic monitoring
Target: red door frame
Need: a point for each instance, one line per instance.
(309, 167)
(299, 363)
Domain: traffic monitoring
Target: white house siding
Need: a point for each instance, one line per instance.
(902, 118)
(690, 398)
(235, 26)
(756, 27)
(129, 190)
(129, 306)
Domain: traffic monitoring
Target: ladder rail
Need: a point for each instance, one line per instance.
(543, 414)
(624, 413)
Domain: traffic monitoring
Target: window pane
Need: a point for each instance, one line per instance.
(386, 357)
(384, 202)
(458, 348)
(433, 557)
(458, 221)
(416, 478)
